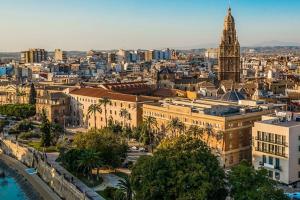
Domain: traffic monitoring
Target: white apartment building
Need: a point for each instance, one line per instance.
(276, 146)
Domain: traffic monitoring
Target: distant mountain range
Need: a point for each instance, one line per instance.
(271, 43)
(276, 43)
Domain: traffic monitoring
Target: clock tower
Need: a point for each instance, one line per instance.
(229, 51)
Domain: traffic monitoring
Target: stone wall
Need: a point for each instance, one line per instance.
(32, 158)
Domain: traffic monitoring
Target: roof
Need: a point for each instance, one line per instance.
(101, 93)
(232, 95)
(166, 70)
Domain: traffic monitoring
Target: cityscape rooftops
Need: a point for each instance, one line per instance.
(282, 119)
(214, 107)
(101, 93)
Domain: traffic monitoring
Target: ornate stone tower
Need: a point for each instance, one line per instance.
(229, 51)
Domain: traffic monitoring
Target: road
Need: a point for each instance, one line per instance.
(40, 186)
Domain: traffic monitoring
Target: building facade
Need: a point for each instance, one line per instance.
(33, 56)
(276, 147)
(60, 55)
(83, 98)
(230, 124)
(229, 51)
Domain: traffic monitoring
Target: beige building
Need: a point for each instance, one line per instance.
(60, 55)
(83, 98)
(276, 146)
(33, 56)
(230, 122)
(55, 101)
(12, 93)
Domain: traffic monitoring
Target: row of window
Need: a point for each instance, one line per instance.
(270, 148)
(194, 122)
(95, 101)
(271, 137)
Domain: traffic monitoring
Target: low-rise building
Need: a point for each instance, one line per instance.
(276, 146)
(83, 98)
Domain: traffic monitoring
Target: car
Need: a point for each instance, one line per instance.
(134, 148)
(142, 149)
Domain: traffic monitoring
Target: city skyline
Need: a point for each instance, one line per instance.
(143, 24)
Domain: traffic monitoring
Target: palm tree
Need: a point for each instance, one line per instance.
(20, 94)
(195, 131)
(104, 101)
(94, 109)
(175, 125)
(149, 124)
(89, 160)
(125, 188)
(125, 115)
(209, 132)
(220, 136)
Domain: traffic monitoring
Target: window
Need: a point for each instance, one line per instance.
(270, 160)
(277, 163)
(264, 159)
(271, 174)
(277, 175)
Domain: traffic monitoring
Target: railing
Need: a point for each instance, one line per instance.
(271, 152)
(271, 141)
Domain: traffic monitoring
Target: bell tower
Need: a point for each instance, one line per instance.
(229, 51)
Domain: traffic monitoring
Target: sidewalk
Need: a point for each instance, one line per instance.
(109, 180)
(51, 157)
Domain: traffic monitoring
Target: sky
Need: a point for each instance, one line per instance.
(145, 24)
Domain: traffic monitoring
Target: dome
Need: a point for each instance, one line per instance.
(232, 96)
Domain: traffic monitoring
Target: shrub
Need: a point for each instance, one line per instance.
(29, 135)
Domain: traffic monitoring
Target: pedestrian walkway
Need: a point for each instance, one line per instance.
(109, 180)
(51, 158)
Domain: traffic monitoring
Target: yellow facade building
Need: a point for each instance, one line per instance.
(229, 122)
(83, 98)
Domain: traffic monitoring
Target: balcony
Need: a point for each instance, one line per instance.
(271, 141)
(271, 152)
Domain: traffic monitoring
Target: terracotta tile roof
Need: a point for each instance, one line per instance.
(101, 93)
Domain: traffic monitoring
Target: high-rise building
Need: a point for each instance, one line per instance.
(112, 58)
(229, 51)
(60, 55)
(148, 55)
(33, 56)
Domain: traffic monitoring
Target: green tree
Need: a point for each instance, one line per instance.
(88, 160)
(32, 95)
(56, 132)
(104, 101)
(94, 109)
(246, 183)
(45, 130)
(125, 189)
(22, 111)
(125, 115)
(195, 131)
(148, 126)
(209, 132)
(111, 147)
(181, 168)
(20, 94)
(175, 125)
